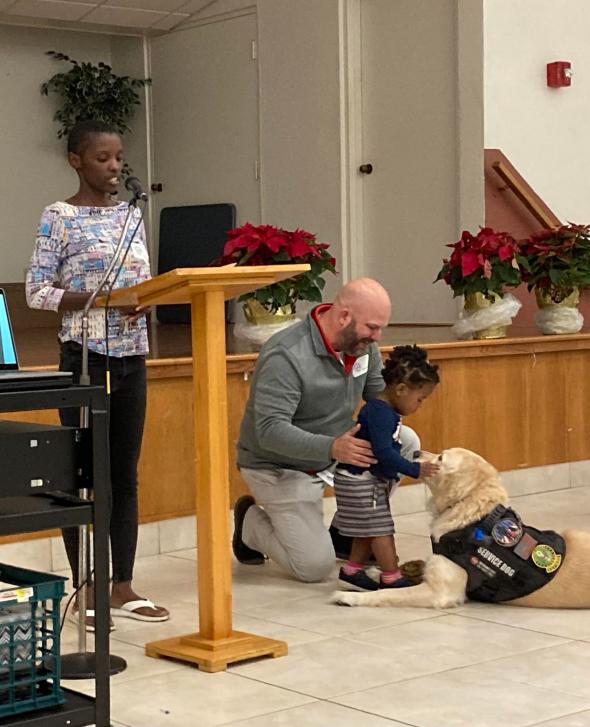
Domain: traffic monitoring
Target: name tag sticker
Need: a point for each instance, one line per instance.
(361, 365)
(327, 476)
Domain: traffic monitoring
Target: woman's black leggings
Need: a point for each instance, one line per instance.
(126, 415)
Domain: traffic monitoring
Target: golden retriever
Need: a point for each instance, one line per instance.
(465, 490)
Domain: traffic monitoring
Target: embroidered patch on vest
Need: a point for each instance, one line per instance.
(546, 558)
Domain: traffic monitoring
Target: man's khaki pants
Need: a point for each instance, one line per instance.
(287, 522)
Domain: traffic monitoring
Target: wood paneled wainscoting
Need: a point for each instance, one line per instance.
(519, 402)
(166, 470)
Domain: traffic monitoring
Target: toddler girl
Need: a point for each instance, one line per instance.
(362, 495)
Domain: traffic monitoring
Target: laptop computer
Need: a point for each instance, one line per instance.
(11, 377)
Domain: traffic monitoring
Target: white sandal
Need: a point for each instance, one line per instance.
(128, 610)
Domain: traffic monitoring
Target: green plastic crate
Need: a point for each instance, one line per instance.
(30, 663)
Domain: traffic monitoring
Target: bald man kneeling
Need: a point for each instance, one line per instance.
(308, 382)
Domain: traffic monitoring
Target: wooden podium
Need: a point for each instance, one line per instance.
(216, 644)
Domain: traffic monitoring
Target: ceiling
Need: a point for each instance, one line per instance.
(120, 15)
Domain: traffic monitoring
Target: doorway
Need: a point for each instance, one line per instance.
(410, 137)
(205, 116)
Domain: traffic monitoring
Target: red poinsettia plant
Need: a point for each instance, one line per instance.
(485, 263)
(269, 245)
(558, 261)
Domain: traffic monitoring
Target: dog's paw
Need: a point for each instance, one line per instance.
(346, 598)
(373, 572)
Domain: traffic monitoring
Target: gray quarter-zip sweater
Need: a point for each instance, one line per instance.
(301, 400)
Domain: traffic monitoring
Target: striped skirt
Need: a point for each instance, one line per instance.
(363, 509)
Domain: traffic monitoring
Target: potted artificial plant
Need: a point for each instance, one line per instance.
(557, 268)
(273, 307)
(481, 268)
(93, 91)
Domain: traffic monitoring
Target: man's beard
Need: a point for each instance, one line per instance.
(350, 344)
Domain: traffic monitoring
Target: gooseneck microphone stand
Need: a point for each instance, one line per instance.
(82, 664)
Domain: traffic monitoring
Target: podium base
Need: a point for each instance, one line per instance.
(213, 655)
(82, 665)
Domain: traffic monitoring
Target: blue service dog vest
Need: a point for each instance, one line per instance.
(504, 558)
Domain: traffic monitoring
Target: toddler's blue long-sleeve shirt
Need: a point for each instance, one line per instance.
(381, 425)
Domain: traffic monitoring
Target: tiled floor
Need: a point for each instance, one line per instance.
(476, 666)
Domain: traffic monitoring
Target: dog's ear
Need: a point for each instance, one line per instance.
(457, 459)
(467, 478)
(423, 456)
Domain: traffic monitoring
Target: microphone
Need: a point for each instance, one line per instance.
(133, 185)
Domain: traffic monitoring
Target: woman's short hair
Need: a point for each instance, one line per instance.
(83, 131)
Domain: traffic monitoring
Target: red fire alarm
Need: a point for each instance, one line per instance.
(559, 73)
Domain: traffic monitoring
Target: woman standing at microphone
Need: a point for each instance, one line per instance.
(75, 243)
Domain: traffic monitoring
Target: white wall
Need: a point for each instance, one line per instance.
(33, 159)
(34, 167)
(543, 131)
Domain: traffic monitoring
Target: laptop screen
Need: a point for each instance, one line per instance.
(8, 360)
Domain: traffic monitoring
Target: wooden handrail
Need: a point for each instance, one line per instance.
(538, 212)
